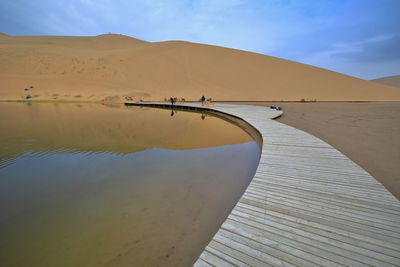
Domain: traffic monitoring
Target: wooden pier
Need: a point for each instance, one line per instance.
(307, 205)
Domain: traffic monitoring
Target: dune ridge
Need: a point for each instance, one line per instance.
(389, 80)
(112, 67)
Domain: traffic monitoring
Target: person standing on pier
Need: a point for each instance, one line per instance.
(202, 99)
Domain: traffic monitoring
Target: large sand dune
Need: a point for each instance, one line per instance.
(390, 80)
(110, 67)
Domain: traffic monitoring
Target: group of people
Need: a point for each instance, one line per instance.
(204, 101)
(173, 100)
(276, 108)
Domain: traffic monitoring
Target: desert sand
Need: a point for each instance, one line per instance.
(390, 80)
(110, 67)
(368, 133)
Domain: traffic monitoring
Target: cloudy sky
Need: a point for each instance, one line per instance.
(356, 37)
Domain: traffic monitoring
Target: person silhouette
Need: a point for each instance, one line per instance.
(202, 99)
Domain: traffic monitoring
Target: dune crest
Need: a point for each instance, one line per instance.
(390, 80)
(113, 67)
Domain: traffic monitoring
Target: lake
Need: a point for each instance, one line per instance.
(110, 185)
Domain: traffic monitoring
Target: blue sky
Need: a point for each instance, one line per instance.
(356, 37)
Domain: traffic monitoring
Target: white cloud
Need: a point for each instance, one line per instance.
(339, 59)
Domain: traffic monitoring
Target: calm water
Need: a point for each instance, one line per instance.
(96, 185)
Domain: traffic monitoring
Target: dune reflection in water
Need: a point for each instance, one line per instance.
(92, 185)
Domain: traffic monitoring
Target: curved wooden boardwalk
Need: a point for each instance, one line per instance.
(307, 205)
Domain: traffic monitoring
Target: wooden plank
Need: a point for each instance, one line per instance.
(214, 260)
(259, 250)
(328, 210)
(366, 250)
(387, 208)
(340, 226)
(331, 205)
(389, 205)
(227, 255)
(332, 245)
(222, 247)
(201, 263)
(286, 245)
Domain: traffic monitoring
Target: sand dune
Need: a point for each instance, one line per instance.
(390, 80)
(110, 67)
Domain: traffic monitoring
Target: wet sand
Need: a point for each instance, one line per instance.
(366, 132)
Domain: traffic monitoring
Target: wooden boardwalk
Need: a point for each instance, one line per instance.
(307, 205)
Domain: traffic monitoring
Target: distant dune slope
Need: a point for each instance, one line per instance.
(390, 80)
(111, 67)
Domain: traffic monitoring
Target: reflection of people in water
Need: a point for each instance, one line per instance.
(172, 112)
(203, 116)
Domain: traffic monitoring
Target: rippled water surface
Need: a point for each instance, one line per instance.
(96, 185)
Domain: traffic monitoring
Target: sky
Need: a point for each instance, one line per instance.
(356, 37)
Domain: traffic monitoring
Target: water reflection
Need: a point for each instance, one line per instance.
(95, 185)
